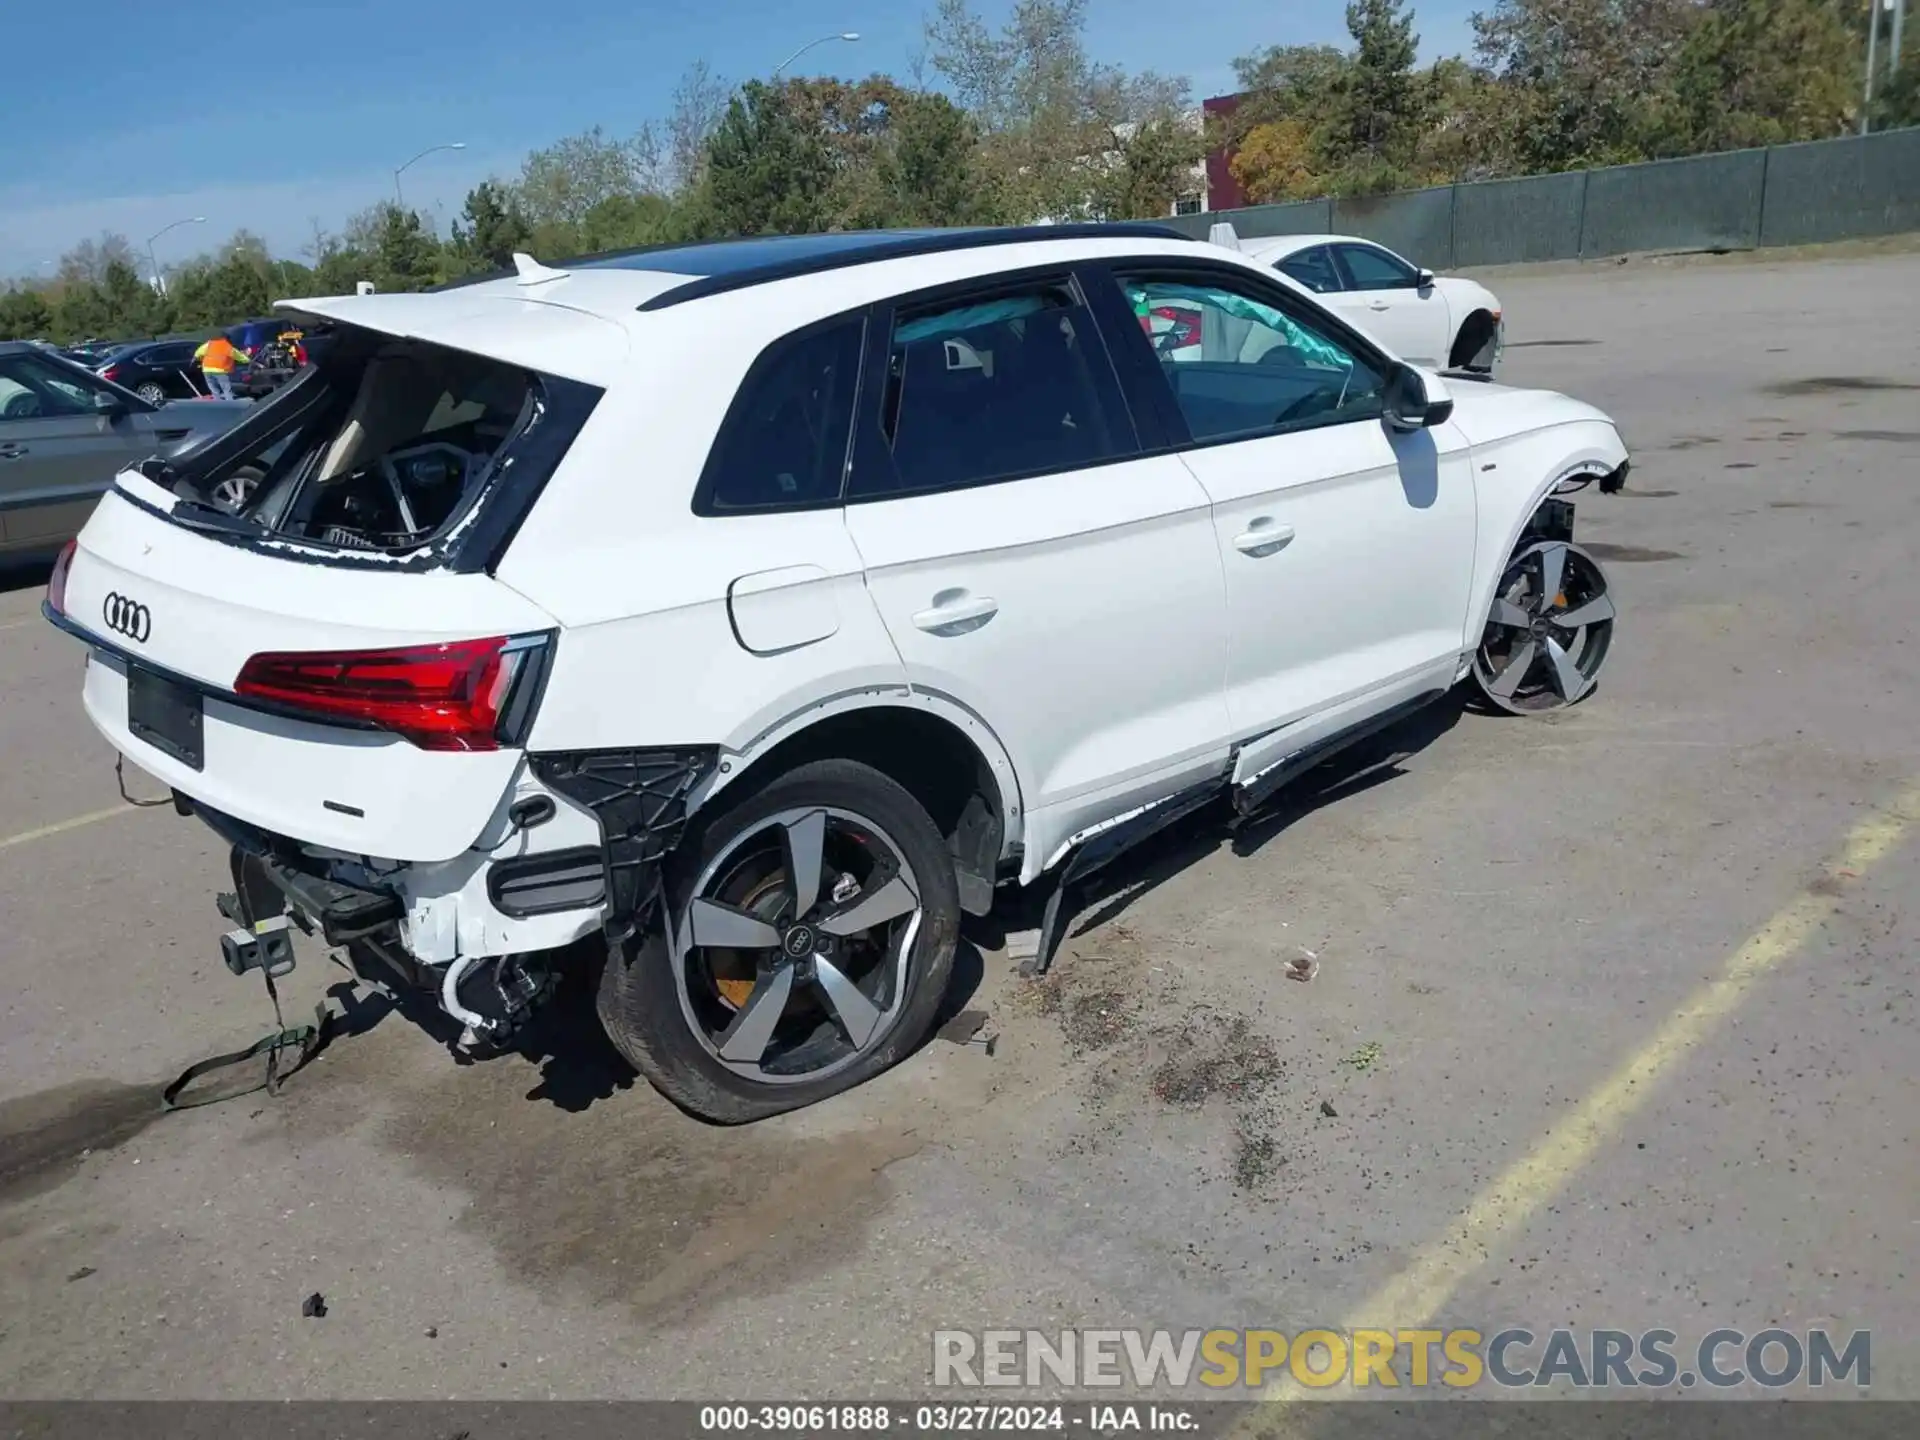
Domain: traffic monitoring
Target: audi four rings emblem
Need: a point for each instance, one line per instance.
(127, 617)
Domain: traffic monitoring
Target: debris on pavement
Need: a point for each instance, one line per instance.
(965, 1029)
(82, 1273)
(1326, 1109)
(1023, 945)
(1364, 1058)
(1304, 966)
(314, 1307)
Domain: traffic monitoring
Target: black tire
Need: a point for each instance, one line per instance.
(639, 999)
(1474, 337)
(151, 393)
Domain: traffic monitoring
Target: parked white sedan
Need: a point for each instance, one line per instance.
(1440, 321)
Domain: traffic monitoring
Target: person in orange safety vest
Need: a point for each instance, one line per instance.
(217, 358)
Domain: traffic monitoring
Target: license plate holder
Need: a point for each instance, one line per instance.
(169, 716)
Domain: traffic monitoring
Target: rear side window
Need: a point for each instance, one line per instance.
(784, 442)
(1313, 269)
(997, 387)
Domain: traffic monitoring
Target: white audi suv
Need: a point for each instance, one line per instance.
(729, 619)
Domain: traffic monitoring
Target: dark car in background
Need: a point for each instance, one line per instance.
(156, 370)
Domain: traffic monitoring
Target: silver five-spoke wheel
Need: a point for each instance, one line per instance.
(791, 954)
(1548, 632)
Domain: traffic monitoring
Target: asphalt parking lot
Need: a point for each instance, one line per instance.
(1524, 931)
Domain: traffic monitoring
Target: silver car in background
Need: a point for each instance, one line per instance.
(65, 433)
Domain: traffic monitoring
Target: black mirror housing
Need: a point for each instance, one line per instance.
(1409, 406)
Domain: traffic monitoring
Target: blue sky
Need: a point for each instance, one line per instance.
(129, 116)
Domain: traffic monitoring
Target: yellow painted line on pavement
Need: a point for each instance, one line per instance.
(1415, 1297)
(60, 827)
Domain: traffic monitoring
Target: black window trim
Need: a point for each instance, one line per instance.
(1353, 286)
(1156, 392)
(870, 445)
(771, 354)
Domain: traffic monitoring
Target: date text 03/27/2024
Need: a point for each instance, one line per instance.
(1098, 1419)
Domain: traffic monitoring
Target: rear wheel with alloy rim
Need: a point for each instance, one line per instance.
(233, 493)
(1548, 632)
(807, 945)
(151, 393)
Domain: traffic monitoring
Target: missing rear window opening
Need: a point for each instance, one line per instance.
(390, 450)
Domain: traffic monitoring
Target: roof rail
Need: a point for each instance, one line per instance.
(917, 244)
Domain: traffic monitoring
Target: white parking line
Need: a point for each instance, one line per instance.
(60, 827)
(16, 624)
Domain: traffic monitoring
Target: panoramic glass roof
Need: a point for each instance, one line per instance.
(737, 257)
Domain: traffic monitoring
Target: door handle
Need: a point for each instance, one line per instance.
(952, 609)
(1378, 305)
(1262, 537)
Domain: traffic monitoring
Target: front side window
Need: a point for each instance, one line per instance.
(31, 389)
(784, 442)
(1371, 269)
(1313, 269)
(1246, 367)
(999, 386)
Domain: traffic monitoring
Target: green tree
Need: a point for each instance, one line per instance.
(1577, 77)
(1380, 106)
(210, 293)
(929, 170)
(561, 183)
(1758, 72)
(24, 314)
(1054, 123)
(1898, 103)
(403, 253)
(767, 171)
(494, 227)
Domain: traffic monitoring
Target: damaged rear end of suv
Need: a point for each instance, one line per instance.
(297, 628)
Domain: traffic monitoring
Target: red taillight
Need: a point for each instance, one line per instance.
(441, 697)
(57, 581)
(112, 372)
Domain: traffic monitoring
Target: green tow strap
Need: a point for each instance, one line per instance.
(305, 1040)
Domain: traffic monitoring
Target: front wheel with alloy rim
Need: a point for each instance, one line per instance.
(806, 945)
(1548, 632)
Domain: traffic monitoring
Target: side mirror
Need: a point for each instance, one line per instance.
(1427, 280)
(1415, 401)
(110, 407)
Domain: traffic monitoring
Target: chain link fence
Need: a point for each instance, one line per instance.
(1847, 189)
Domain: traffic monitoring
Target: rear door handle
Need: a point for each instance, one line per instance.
(1262, 537)
(953, 609)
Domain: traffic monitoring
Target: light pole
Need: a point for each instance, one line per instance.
(159, 282)
(847, 35)
(1899, 35)
(430, 150)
